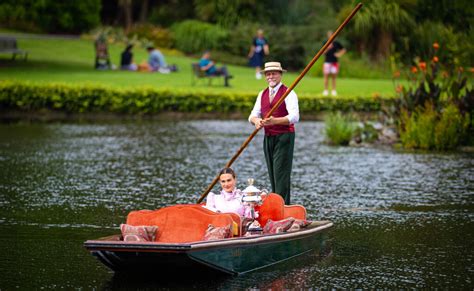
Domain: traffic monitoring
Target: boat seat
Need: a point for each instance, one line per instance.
(273, 207)
(181, 223)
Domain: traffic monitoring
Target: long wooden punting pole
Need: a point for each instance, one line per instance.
(316, 57)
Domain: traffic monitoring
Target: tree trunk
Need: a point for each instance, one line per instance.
(143, 11)
(127, 12)
(383, 46)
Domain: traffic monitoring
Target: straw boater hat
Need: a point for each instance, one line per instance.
(273, 66)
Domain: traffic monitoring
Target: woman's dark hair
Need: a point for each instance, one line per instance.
(227, 171)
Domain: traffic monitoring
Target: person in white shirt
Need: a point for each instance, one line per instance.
(230, 198)
(279, 140)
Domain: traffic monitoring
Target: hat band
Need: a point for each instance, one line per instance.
(273, 69)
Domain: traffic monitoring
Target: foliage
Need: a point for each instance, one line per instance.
(379, 20)
(451, 129)
(294, 46)
(171, 12)
(456, 14)
(226, 13)
(194, 36)
(158, 36)
(434, 110)
(419, 128)
(426, 129)
(51, 15)
(339, 129)
(111, 34)
(28, 97)
(457, 47)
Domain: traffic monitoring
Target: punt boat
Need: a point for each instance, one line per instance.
(179, 246)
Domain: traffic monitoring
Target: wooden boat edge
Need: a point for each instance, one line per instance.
(117, 245)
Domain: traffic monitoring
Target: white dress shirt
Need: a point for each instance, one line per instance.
(291, 102)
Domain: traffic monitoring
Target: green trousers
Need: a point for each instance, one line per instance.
(279, 157)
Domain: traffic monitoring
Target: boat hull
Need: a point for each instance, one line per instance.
(232, 256)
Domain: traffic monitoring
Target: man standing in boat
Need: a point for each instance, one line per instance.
(279, 140)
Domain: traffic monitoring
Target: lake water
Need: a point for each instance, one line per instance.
(402, 219)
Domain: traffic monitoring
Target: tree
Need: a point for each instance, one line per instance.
(143, 11)
(126, 6)
(378, 21)
(228, 13)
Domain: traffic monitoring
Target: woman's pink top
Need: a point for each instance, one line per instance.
(228, 202)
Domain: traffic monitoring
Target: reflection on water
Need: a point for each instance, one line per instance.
(402, 219)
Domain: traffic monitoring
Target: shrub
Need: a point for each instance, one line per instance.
(240, 38)
(160, 37)
(51, 15)
(111, 34)
(451, 129)
(419, 128)
(434, 109)
(192, 36)
(427, 130)
(459, 47)
(28, 97)
(339, 129)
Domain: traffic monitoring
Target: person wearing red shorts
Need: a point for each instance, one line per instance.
(331, 67)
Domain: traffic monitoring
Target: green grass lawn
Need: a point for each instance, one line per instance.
(72, 61)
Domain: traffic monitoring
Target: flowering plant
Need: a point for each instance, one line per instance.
(432, 91)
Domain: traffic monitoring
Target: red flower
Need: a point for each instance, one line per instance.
(396, 74)
(422, 66)
(435, 45)
(435, 59)
(399, 89)
(471, 70)
(414, 70)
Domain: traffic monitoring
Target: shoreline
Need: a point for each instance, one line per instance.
(54, 116)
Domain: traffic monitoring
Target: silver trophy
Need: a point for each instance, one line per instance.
(252, 197)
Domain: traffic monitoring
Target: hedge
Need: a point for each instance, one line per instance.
(32, 97)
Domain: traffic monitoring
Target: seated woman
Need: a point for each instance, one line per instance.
(230, 198)
(126, 59)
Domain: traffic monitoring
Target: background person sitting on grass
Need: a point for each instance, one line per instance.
(208, 66)
(156, 62)
(126, 59)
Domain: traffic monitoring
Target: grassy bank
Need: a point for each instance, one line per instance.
(70, 61)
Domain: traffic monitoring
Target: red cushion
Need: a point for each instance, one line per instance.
(214, 233)
(274, 208)
(180, 223)
(271, 208)
(138, 233)
(278, 226)
(295, 211)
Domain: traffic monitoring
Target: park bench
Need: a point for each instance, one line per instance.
(198, 74)
(8, 45)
